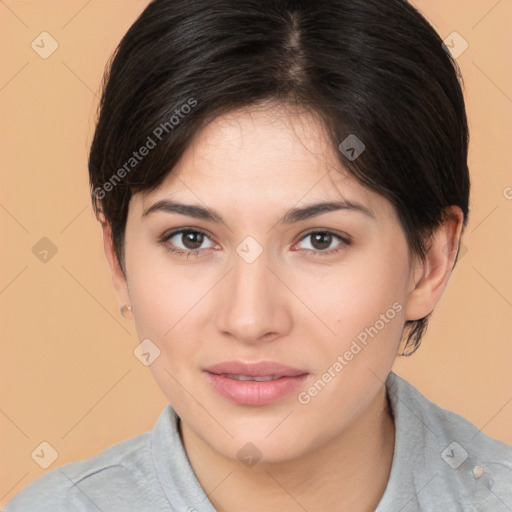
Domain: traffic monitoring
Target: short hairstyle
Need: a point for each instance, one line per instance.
(373, 69)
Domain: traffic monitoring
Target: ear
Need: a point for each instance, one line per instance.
(431, 276)
(117, 272)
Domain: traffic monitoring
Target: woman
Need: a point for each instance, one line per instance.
(282, 186)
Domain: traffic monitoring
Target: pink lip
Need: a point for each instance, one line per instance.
(254, 393)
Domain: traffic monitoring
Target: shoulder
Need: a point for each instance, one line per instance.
(443, 424)
(462, 462)
(112, 479)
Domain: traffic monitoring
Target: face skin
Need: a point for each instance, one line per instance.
(293, 304)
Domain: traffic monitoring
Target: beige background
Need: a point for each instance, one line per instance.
(68, 374)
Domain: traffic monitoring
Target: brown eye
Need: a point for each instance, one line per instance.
(324, 242)
(321, 241)
(185, 241)
(192, 239)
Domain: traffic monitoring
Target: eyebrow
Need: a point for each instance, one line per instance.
(291, 216)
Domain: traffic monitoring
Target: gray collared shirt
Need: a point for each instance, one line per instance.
(441, 463)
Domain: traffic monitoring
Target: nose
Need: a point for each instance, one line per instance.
(253, 304)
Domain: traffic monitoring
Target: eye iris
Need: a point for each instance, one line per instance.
(193, 240)
(317, 237)
(189, 237)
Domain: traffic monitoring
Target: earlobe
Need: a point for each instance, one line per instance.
(118, 275)
(431, 276)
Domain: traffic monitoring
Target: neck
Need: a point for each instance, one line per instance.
(348, 474)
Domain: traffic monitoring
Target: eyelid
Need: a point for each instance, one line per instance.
(170, 233)
(345, 239)
(341, 234)
(173, 232)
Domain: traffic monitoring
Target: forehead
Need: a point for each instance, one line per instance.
(260, 142)
(263, 155)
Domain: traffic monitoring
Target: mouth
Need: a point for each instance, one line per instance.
(254, 384)
(248, 377)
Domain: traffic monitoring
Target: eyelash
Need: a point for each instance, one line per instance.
(345, 241)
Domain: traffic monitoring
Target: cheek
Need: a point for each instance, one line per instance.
(367, 323)
(164, 312)
(354, 297)
(363, 305)
(165, 297)
(162, 291)
(366, 315)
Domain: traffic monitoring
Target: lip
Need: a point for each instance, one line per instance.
(254, 393)
(259, 369)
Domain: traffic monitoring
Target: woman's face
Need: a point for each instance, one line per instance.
(324, 294)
